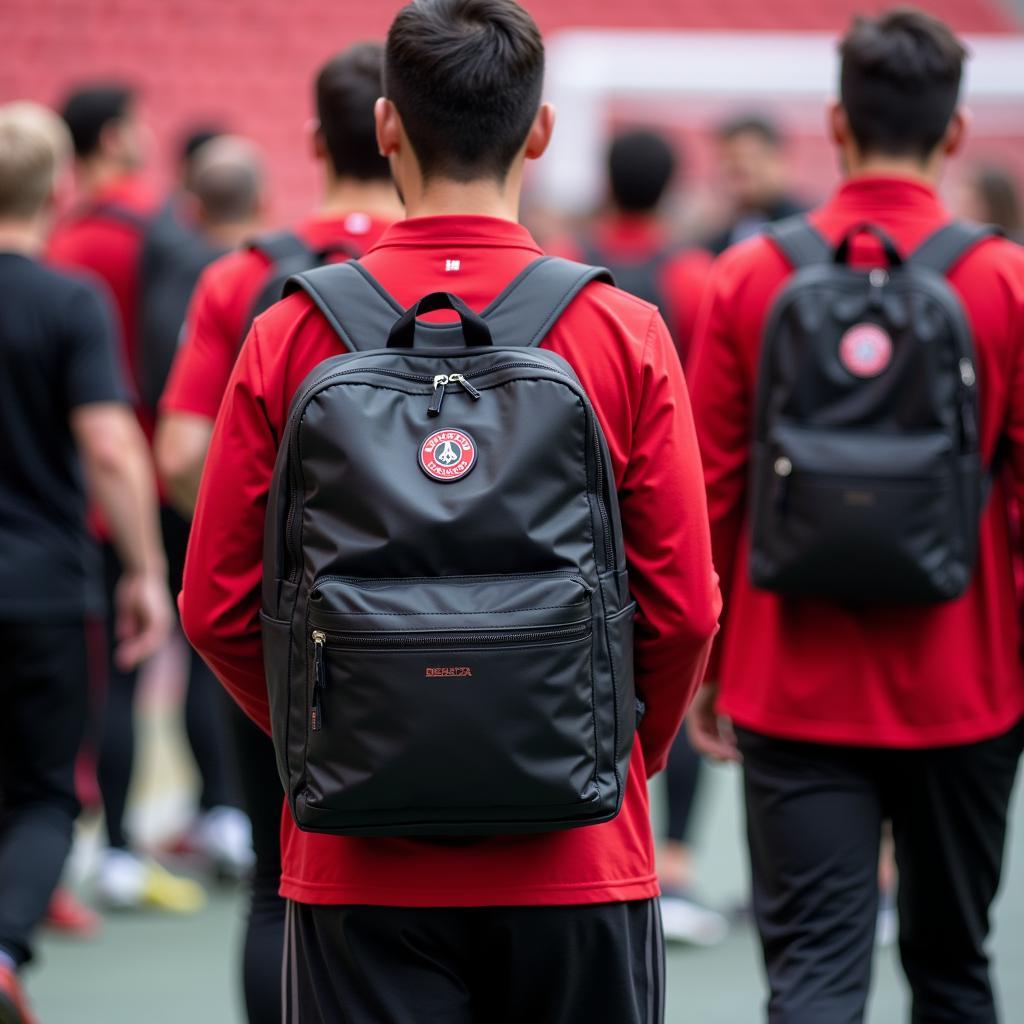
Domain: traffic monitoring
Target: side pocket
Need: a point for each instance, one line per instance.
(277, 646)
(620, 644)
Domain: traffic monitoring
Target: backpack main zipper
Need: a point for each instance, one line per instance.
(421, 378)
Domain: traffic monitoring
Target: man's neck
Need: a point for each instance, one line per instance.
(96, 174)
(22, 236)
(926, 173)
(374, 198)
(444, 198)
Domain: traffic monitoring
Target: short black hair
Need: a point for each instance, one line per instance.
(641, 163)
(347, 87)
(900, 81)
(88, 110)
(764, 128)
(466, 79)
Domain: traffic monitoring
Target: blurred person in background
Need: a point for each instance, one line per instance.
(359, 202)
(752, 172)
(221, 207)
(67, 426)
(991, 195)
(634, 242)
(846, 713)
(103, 235)
(633, 239)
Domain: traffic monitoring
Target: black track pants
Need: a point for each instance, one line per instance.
(597, 964)
(814, 820)
(43, 693)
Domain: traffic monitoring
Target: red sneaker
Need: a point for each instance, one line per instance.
(13, 1004)
(70, 917)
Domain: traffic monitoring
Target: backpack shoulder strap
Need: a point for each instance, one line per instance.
(945, 248)
(352, 302)
(279, 246)
(524, 313)
(799, 241)
(362, 313)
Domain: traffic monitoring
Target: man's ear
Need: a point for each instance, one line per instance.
(838, 124)
(389, 126)
(317, 142)
(956, 132)
(540, 132)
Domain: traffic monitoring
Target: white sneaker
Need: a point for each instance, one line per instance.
(685, 921)
(224, 836)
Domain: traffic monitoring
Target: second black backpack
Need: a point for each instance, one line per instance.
(867, 483)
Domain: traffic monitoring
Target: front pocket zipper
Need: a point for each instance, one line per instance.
(350, 640)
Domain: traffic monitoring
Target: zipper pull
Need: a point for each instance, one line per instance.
(319, 638)
(473, 392)
(440, 380)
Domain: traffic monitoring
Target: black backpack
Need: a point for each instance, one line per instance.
(446, 620)
(641, 278)
(288, 255)
(867, 483)
(174, 255)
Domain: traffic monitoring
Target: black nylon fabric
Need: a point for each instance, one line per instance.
(866, 486)
(447, 657)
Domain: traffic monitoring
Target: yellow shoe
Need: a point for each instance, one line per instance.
(164, 891)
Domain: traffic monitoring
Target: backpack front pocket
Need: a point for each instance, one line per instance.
(483, 701)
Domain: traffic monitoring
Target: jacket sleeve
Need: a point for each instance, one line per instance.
(722, 412)
(220, 599)
(668, 549)
(204, 360)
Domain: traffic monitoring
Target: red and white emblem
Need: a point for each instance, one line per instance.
(865, 350)
(447, 455)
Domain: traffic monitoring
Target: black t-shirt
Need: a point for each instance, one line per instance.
(56, 353)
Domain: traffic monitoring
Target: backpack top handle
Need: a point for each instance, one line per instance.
(474, 328)
(892, 254)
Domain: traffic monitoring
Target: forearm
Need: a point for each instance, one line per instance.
(121, 482)
(180, 449)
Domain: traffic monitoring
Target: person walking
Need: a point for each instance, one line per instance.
(870, 660)
(557, 925)
(68, 427)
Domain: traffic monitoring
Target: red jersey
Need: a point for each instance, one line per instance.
(622, 352)
(811, 670)
(222, 304)
(682, 276)
(104, 236)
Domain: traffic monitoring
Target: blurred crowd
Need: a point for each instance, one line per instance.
(166, 268)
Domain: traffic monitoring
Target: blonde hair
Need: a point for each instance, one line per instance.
(35, 146)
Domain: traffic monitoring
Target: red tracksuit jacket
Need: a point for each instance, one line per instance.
(811, 670)
(622, 352)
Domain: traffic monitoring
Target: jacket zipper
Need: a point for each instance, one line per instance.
(353, 640)
(421, 378)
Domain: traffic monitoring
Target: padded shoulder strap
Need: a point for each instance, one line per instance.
(950, 244)
(362, 313)
(528, 308)
(798, 241)
(280, 246)
(353, 303)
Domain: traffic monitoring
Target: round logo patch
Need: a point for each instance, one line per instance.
(866, 350)
(447, 455)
